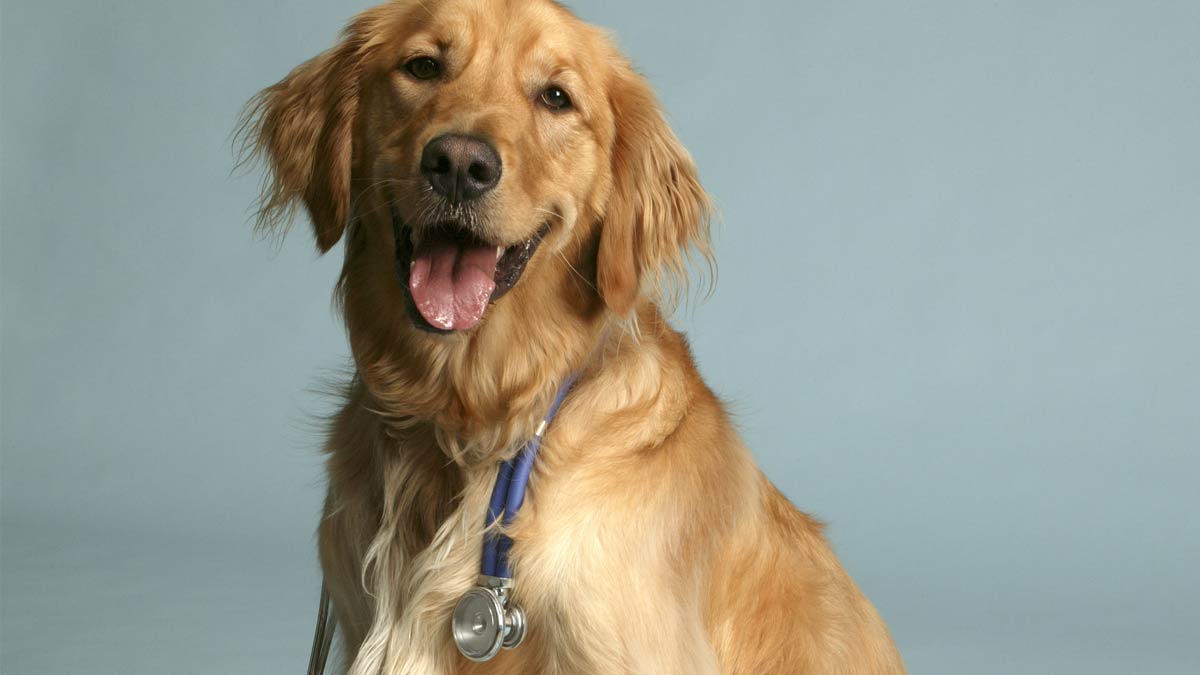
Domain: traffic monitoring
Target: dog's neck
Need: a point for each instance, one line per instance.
(479, 416)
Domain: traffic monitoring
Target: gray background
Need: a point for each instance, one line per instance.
(956, 318)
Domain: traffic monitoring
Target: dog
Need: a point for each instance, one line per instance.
(516, 212)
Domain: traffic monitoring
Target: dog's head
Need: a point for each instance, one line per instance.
(480, 150)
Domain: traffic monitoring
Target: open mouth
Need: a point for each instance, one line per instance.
(451, 276)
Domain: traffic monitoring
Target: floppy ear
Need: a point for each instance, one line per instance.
(657, 213)
(303, 127)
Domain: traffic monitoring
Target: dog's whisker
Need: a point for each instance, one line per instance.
(576, 273)
(548, 212)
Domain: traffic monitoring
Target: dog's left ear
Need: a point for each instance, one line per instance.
(303, 126)
(657, 214)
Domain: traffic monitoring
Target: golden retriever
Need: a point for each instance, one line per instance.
(516, 210)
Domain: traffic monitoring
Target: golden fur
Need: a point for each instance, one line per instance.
(650, 542)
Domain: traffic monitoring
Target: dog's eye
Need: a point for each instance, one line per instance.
(555, 99)
(423, 68)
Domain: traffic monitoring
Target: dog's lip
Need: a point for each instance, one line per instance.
(510, 264)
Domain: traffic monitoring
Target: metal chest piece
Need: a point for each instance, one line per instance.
(485, 620)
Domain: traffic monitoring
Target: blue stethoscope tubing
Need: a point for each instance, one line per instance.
(509, 493)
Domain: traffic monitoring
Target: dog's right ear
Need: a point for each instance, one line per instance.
(303, 127)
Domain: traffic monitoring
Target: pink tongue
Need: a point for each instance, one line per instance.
(451, 284)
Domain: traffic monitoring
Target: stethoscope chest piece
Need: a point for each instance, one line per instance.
(485, 620)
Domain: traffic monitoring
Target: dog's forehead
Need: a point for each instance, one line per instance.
(540, 31)
(487, 19)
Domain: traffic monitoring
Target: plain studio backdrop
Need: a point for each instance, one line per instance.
(956, 318)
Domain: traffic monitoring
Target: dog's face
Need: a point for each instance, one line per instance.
(498, 163)
(490, 130)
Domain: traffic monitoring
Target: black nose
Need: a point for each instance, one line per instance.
(460, 168)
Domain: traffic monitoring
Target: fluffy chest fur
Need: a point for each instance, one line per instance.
(603, 528)
(649, 542)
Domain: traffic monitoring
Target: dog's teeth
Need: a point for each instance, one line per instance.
(499, 252)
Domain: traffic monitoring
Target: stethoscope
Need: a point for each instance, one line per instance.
(323, 637)
(486, 619)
